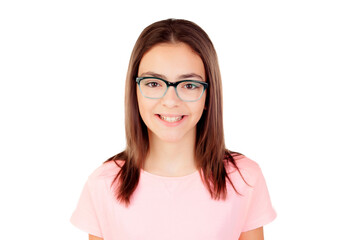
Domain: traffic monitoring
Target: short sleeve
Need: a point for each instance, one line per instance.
(85, 216)
(260, 210)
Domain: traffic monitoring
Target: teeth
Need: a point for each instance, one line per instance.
(171, 119)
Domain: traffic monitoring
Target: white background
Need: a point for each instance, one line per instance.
(292, 102)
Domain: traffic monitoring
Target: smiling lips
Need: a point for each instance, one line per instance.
(171, 119)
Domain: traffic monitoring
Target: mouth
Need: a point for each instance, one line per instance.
(171, 119)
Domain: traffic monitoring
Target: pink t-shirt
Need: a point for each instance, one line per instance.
(174, 207)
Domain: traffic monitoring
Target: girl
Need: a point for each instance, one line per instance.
(175, 179)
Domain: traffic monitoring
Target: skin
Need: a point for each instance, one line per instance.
(91, 237)
(171, 147)
(255, 234)
(173, 62)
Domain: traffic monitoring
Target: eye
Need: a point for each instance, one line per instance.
(152, 84)
(191, 86)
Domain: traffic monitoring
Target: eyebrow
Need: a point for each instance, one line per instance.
(182, 76)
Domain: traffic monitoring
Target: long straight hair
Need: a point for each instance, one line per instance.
(210, 152)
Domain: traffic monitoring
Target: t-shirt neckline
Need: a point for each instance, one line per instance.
(190, 175)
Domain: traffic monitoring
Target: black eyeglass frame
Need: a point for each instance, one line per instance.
(172, 84)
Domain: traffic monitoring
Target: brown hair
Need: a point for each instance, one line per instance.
(210, 151)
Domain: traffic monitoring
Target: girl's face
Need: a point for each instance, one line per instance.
(169, 118)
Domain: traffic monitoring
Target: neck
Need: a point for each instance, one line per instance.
(171, 158)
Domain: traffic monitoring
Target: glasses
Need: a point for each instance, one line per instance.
(186, 90)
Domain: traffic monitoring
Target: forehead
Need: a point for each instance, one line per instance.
(171, 60)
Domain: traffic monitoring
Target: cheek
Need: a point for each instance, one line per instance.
(199, 109)
(141, 106)
(145, 108)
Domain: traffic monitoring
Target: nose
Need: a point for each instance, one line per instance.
(170, 99)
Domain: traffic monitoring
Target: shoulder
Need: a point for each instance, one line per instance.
(249, 169)
(108, 170)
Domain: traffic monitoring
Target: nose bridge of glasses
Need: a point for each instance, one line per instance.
(168, 89)
(172, 84)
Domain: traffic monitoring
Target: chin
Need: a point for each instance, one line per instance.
(172, 135)
(170, 138)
